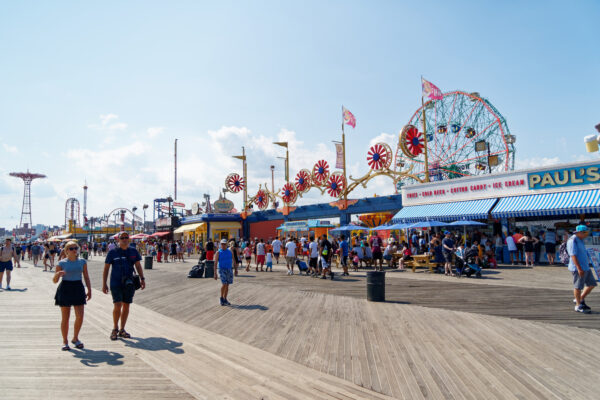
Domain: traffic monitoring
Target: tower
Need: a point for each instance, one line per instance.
(26, 210)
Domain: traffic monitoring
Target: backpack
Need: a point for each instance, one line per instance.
(563, 254)
(197, 271)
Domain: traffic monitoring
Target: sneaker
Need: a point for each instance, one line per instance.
(226, 302)
(7, 287)
(221, 300)
(585, 306)
(580, 309)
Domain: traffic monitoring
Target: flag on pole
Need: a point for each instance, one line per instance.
(349, 118)
(431, 91)
(339, 159)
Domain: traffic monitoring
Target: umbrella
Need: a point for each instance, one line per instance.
(466, 223)
(393, 227)
(349, 228)
(426, 224)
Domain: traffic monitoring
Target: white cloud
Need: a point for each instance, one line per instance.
(385, 138)
(154, 131)
(535, 162)
(108, 124)
(10, 149)
(106, 118)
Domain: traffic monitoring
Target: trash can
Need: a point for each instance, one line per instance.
(376, 285)
(84, 255)
(209, 269)
(148, 262)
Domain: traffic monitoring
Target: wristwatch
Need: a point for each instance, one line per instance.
(142, 278)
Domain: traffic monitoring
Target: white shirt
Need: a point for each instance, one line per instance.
(510, 242)
(269, 257)
(276, 246)
(112, 246)
(260, 249)
(314, 249)
(291, 249)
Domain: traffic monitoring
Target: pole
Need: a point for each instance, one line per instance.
(287, 165)
(175, 189)
(425, 140)
(245, 177)
(344, 164)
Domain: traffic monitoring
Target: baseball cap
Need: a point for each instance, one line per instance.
(446, 232)
(123, 235)
(581, 228)
(223, 241)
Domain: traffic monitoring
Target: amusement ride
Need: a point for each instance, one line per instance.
(452, 135)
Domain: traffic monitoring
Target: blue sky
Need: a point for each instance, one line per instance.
(99, 91)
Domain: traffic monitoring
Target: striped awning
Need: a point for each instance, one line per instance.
(565, 203)
(472, 209)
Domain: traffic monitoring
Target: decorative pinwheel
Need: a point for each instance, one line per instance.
(288, 193)
(261, 200)
(336, 184)
(303, 181)
(412, 141)
(379, 156)
(320, 172)
(234, 183)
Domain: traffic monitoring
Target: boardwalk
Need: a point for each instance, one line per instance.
(298, 337)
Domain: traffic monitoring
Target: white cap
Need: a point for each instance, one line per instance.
(223, 241)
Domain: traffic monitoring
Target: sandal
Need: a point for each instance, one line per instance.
(113, 334)
(124, 334)
(78, 344)
(65, 347)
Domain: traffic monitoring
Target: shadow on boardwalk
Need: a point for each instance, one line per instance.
(92, 358)
(154, 344)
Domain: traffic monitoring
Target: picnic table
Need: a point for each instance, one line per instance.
(421, 260)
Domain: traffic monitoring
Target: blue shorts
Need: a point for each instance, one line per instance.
(6, 265)
(270, 264)
(226, 275)
(122, 294)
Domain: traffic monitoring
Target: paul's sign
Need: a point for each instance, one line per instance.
(564, 177)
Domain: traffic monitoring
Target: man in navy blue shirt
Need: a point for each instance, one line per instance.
(448, 248)
(122, 259)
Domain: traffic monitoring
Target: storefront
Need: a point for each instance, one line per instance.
(557, 197)
(310, 228)
(200, 228)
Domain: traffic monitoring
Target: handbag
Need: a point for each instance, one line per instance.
(137, 283)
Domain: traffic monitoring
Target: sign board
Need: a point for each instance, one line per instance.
(223, 205)
(296, 226)
(562, 177)
(164, 222)
(578, 176)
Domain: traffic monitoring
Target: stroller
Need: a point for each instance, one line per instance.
(466, 264)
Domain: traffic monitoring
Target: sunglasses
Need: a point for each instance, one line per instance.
(124, 238)
(72, 249)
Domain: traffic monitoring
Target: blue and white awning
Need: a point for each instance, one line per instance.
(472, 209)
(565, 203)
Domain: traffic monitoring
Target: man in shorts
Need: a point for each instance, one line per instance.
(344, 255)
(225, 262)
(326, 250)
(313, 252)
(448, 249)
(260, 254)
(290, 255)
(276, 249)
(36, 251)
(7, 255)
(122, 259)
(579, 265)
(376, 244)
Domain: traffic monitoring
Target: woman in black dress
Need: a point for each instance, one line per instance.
(528, 243)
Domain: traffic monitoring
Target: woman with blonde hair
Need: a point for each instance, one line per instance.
(70, 292)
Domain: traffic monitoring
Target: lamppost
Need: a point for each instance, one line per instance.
(274, 205)
(144, 207)
(134, 209)
(287, 159)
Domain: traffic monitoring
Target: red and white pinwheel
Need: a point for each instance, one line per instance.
(412, 140)
(336, 184)
(261, 200)
(303, 181)
(379, 156)
(320, 172)
(288, 193)
(234, 183)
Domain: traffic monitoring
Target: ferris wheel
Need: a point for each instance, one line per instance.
(465, 135)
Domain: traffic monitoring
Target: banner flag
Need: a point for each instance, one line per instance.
(431, 91)
(339, 160)
(349, 118)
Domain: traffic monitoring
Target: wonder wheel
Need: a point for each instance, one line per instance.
(465, 135)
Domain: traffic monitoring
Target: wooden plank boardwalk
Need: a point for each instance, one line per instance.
(290, 337)
(164, 359)
(402, 350)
